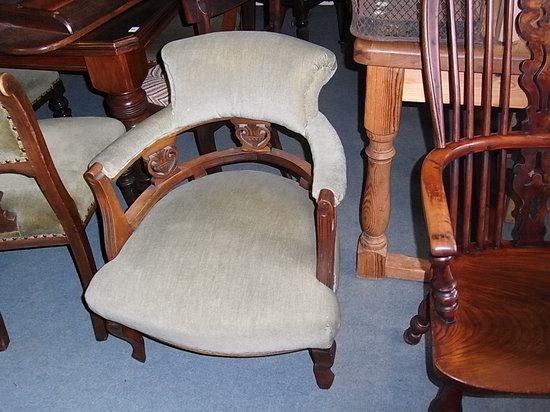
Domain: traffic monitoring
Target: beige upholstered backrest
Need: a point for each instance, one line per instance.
(282, 88)
(255, 75)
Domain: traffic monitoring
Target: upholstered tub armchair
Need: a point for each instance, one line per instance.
(238, 263)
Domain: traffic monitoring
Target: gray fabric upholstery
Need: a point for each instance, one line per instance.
(256, 75)
(225, 265)
(72, 142)
(35, 83)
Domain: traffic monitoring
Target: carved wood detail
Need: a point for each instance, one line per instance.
(531, 194)
(8, 220)
(163, 163)
(253, 135)
(534, 28)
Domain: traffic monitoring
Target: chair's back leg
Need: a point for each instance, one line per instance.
(323, 359)
(4, 337)
(85, 265)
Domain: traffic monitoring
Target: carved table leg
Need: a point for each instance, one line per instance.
(120, 77)
(4, 337)
(382, 115)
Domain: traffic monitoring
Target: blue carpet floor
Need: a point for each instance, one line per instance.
(54, 363)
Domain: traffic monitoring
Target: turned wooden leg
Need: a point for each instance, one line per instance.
(4, 337)
(419, 325)
(133, 337)
(448, 399)
(444, 289)
(120, 77)
(205, 141)
(275, 11)
(382, 115)
(323, 359)
(58, 103)
(343, 15)
(300, 11)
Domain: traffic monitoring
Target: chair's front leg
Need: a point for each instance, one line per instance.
(4, 337)
(326, 237)
(323, 359)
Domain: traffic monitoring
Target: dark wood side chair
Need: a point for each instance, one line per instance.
(300, 11)
(487, 307)
(44, 200)
(42, 86)
(238, 263)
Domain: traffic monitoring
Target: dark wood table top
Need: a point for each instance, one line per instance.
(132, 30)
(40, 26)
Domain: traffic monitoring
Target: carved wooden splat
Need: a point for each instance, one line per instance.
(163, 163)
(254, 135)
(8, 220)
(531, 189)
(534, 28)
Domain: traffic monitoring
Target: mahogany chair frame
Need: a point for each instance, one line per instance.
(38, 165)
(465, 180)
(161, 159)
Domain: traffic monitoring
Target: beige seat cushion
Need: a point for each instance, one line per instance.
(72, 143)
(35, 83)
(224, 265)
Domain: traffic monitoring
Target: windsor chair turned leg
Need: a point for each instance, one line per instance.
(384, 86)
(420, 323)
(448, 399)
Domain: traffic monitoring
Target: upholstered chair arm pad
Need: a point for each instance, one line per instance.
(124, 151)
(329, 161)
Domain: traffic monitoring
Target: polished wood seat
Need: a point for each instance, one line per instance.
(501, 329)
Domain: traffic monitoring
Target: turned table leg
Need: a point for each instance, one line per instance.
(120, 77)
(384, 89)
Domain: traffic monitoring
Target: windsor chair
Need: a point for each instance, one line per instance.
(238, 263)
(487, 306)
(44, 199)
